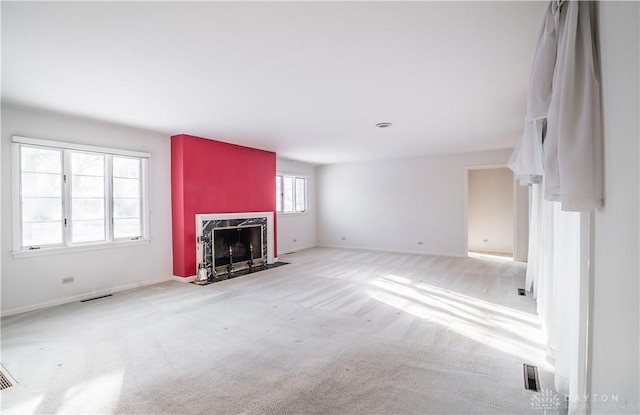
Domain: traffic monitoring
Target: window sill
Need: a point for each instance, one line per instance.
(293, 214)
(77, 248)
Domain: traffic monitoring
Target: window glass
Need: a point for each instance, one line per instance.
(301, 194)
(41, 160)
(87, 197)
(278, 193)
(41, 196)
(127, 198)
(287, 186)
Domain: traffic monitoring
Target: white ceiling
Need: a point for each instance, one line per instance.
(308, 80)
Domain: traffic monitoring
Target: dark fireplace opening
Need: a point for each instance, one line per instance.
(239, 246)
(232, 245)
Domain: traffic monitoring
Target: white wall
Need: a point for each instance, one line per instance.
(397, 204)
(298, 231)
(614, 348)
(491, 210)
(29, 283)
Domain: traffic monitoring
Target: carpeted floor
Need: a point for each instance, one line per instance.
(334, 332)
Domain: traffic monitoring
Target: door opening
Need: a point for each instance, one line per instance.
(491, 212)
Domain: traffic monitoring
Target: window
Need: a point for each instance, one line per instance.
(41, 196)
(87, 197)
(68, 194)
(291, 194)
(127, 212)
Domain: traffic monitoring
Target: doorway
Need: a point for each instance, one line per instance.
(491, 211)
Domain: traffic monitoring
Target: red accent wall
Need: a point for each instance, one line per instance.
(210, 176)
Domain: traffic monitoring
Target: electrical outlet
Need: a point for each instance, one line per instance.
(67, 280)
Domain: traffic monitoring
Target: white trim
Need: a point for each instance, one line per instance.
(298, 249)
(57, 250)
(243, 215)
(284, 173)
(15, 195)
(466, 208)
(108, 200)
(80, 297)
(487, 166)
(585, 296)
(183, 279)
(293, 214)
(67, 199)
(395, 251)
(146, 201)
(81, 147)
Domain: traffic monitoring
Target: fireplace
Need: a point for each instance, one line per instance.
(236, 248)
(230, 244)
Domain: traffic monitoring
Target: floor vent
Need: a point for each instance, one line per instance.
(521, 291)
(96, 298)
(6, 381)
(531, 381)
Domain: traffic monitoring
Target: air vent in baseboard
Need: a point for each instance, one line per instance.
(531, 380)
(6, 381)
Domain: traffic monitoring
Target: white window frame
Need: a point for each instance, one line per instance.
(294, 176)
(67, 246)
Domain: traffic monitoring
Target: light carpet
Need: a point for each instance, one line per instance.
(334, 332)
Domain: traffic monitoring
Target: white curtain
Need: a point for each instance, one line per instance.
(555, 274)
(560, 157)
(562, 137)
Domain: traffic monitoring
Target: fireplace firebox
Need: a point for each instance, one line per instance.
(233, 244)
(236, 248)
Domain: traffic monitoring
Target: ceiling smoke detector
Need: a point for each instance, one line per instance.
(383, 124)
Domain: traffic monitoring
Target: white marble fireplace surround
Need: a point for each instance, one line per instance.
(208, 221)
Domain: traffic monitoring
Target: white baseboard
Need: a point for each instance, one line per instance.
(301, 248)
(79, 297)
(396, 251)
(183, 279)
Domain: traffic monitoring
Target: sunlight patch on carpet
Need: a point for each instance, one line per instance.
(502, 328)
(27, 407)
(101, 394)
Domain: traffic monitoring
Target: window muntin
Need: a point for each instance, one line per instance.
(291, 194)
(74, 196)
